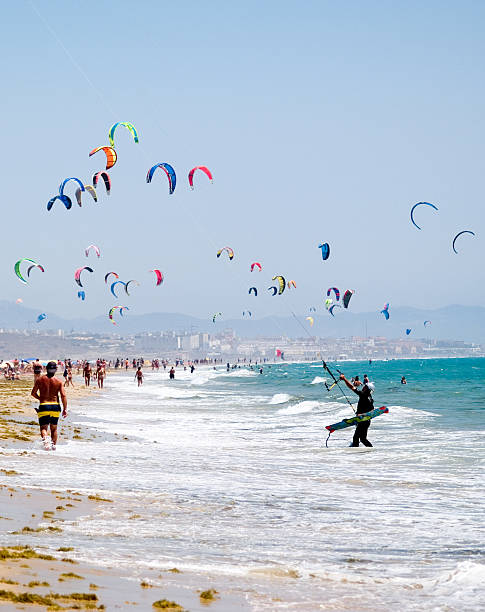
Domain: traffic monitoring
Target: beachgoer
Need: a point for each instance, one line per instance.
(101, 374)
(404, 381)
(37, 368)
(47, 390)
(139, 376)
(365, 404)
(260, 370)
(172, 373)
(87, 373)
(357, 381)
(69, 377)
(192, 368)
(366, 379)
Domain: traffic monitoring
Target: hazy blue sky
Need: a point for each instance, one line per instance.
(321, 121)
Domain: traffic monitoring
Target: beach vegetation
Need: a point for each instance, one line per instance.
(9, 472)
(35, 583)
(32, 598)
(60, 508)
(23, 552)
(65, 548)
(164, 604)
(99, 498)
(75, 596)
(67, 560)
(48, 513)
(93, 586)
(208, 595)
(174, 570)
(145, 585)
(72, 575)
(8, 581)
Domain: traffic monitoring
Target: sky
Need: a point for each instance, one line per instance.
(321, 122)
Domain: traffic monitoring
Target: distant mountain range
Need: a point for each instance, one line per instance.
(452, 322)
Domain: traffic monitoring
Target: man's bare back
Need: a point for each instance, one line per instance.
(47, 391)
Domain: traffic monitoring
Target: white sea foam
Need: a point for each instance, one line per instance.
(318, 379)
(280, 398)
(300, 408)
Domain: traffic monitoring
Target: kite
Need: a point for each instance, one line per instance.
(82, 295)
(247, 312)
(256, 263)
(159, 276)
(281, 283)
(95, 249)
(312, 309)
(34, 266)
(169, 171)
(127, 125)
(385, 311)
(325, 250)
(408, 331)
(19, 301)
(118, 282)
(106, 179)
(311, 321)
(273, 289)
(336, 291)
(41, 317)
(66, 200)
(107, 276)
(18, 264)
(429, 322)
(218, 314)
(90, 189)
(347, 295)
(330, 310)
(420, 204)
(328, 303)
(253, 290)
(204, 169)
(77, 274)
(291, 283)
(111, 155)
(65, 181)
(112, 310)
(230, 252)
(131, 281)
(459, 234)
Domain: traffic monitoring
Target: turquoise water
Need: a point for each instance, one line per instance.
(227, 475)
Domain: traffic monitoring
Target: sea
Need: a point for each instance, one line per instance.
(227, 475)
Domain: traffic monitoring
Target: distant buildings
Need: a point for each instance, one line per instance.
(224, 345)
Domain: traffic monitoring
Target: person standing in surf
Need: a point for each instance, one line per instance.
(365, 404)
(47, 390)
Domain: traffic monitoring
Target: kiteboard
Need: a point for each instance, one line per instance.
(366, 416)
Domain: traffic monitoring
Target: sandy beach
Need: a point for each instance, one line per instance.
(30, 575)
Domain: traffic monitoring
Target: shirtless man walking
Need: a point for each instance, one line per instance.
(47, 391)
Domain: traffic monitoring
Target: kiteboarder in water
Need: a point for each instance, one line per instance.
(365, 404)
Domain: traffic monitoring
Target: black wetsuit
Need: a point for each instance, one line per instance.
(365, 404)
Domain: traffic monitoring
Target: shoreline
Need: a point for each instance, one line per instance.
(36, 569)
